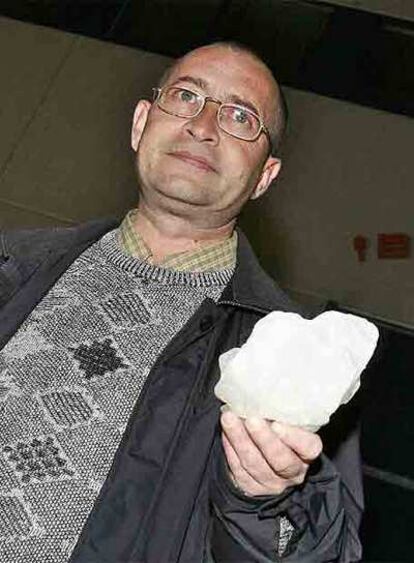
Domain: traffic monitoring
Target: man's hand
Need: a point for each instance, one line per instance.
(265, 458)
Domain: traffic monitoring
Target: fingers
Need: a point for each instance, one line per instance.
(281, 457)
(239, 475)
(264, 457)
(246, 462)
(306, 444)
(259, 460)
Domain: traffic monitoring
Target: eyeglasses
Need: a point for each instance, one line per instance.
(236, 120)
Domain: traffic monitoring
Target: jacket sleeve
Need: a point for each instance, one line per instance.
(315, 522)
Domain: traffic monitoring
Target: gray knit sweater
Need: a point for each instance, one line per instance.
(69, 379)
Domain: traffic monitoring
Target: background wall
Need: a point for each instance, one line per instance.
(348, 170)
(65, 108)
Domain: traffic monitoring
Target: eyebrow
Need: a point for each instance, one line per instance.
(232, 98)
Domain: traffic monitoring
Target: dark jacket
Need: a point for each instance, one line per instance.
(167, 497)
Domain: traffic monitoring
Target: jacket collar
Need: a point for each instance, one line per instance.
(252, 288)
(26, 250)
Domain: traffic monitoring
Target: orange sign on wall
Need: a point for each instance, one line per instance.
(360, 246)
(393, 245)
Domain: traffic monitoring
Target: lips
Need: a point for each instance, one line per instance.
(197, 161)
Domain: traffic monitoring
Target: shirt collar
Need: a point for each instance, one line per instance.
(207, 256)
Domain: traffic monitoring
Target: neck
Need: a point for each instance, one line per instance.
(168, 234)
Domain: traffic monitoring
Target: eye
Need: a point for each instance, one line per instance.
(186, 96)
(241, 116)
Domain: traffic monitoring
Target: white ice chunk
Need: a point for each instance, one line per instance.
(297, 370)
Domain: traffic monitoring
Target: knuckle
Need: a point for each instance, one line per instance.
(290, 470)
(239, 477)
(315, 448)
(286, 464)
(249, 461)
(236, 466)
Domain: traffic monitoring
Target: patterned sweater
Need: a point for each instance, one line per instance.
(69, 379)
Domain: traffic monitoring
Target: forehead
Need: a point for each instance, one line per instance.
(228, 73)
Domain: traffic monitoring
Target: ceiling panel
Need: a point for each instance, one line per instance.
(356, 50)
(400, 9)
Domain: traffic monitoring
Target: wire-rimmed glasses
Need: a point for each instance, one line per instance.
(234, 119)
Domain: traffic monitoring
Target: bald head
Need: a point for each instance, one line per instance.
(277, 111)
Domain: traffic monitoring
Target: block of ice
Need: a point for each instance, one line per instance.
(297, 370)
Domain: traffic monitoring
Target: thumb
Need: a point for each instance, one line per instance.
(306, 444)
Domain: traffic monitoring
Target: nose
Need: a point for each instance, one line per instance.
(203, 127)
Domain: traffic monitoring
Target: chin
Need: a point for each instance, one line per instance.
(185, 191)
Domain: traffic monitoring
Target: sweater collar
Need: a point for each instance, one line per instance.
(250, 287)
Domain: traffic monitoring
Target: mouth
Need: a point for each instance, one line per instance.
(196, 161)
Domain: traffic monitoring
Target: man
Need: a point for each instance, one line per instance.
(113, 446)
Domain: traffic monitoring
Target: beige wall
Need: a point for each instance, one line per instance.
(348, 170)
(65, 110)
(64, 147)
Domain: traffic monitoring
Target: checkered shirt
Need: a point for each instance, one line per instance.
(205, 257)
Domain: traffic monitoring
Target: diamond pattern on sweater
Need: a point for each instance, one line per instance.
(67, 327)
(98, 358)
(38, 460)
(80, 361)
(90, 284)
(48, 369)
(16, 520)
(126, 310)
(60, 299)
(67, 408)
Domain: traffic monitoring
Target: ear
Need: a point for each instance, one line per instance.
(270, 171)
(139, 121)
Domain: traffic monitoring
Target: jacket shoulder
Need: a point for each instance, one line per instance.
(253, 288)
(35, 243)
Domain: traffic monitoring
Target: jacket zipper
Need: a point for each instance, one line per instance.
(249, 307)
(127, 431)
(182, 420)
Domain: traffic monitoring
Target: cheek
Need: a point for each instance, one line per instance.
(244, 167)
(158, 137)
(162, 130)
(148, 151)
